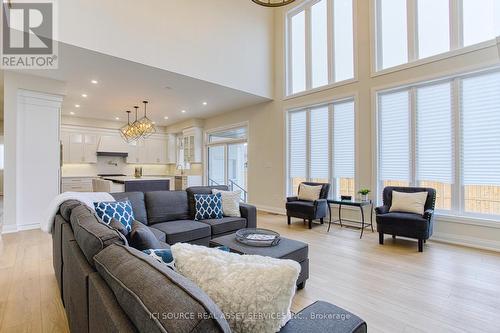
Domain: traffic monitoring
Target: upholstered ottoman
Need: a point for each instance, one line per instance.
(286, 249)
(325, 317)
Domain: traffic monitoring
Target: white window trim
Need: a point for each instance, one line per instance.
(456, 39)
(287, 77)
(348, 97)
(457, 213)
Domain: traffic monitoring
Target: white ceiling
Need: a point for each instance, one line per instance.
(123, 84)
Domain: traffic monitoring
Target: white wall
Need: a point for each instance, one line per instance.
(228, 42)
(266, 168)
(12, 83)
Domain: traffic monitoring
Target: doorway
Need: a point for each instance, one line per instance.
(227, 159)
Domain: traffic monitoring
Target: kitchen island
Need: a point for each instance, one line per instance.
(142, 184)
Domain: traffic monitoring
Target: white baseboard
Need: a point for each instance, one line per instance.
(474, 242)
(274, 210)
(28, 227)
(9, 228)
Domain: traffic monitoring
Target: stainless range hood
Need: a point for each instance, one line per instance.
(112, 146)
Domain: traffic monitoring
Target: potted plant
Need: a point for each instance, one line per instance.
(364, 193)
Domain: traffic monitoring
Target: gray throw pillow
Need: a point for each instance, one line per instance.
(141, 238)
(115, 224)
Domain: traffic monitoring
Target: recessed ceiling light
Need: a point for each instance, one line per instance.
(94, 82)
(84, 95)
(117, 118)
(154, 122)
(77, 105)
(72, 113)
(205, 103)
(166, 118)
(183, 111)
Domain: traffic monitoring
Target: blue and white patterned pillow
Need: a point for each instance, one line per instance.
(118, 210)
(208, 206)
(162, 255)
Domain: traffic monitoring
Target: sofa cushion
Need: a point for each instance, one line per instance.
(226, 224)
(161, 305)
(231, 281)
(408, 220)
(91, 235)
(183, 231)
(324, 317)
(138, 205)
(142, 238)
(303, 207)
(163, 206)
(191, 191)
(66, 208)
(118, 210)
(160, 235)
(208, 206)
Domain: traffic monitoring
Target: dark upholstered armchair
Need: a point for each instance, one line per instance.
(308, 210)
(406, 224)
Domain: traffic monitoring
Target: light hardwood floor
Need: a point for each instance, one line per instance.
(393, 287)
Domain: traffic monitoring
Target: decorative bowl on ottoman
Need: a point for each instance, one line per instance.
(258, 237)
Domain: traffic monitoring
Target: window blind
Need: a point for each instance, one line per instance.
(394, 144)
(434, 134)
(297, 144)
(319, 143)
(343, 140)
(480, 109)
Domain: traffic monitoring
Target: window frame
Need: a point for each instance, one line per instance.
(458, 188)
(456, 46)
(330, 104)
(306, 6)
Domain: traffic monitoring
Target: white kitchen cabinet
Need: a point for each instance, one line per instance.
(137, 152)
(65, 147)
(156, 151)
(79, 147)
(171, 149)
(76, 184)
(192, 144)
(90, 148)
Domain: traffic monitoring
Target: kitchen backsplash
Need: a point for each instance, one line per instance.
(117, 165)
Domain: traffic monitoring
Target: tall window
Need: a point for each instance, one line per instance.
(320, 44)
(416, 29)
(427, 139)
(321, 147)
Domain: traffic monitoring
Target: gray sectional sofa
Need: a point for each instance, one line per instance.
(108, 286)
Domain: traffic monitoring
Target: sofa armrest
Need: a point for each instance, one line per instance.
(382, 210)
(291, 199)
(428, 214)
(320, 202)
(163, 246)
(250, 213)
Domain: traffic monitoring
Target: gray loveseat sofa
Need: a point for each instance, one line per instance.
(170, 215)
(108, 286)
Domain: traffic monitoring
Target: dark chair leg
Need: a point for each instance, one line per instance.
(381, 238)
(289, 220)
(310, 223)
(301, 285)
(420, 245)
(425, 241)
(394, 236)
(322, 220)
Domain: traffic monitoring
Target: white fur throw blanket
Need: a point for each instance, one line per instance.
(88, 198)
(254, 292)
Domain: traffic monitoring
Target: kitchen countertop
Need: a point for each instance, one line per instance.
(123, 179)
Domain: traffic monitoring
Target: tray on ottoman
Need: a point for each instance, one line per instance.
(286, 249)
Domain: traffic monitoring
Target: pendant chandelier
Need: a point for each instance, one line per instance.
(140, 128)
(273, 3)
